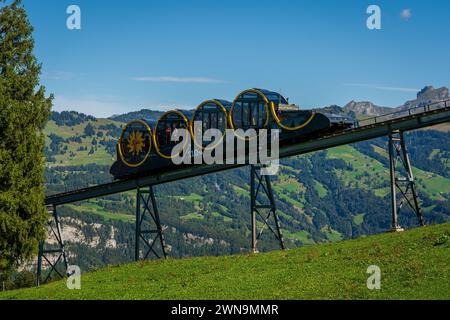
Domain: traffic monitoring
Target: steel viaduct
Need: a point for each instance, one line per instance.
(403, 189)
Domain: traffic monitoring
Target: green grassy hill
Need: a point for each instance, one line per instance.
(86, 148)
(414, 265)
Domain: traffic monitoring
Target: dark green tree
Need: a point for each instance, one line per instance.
(24, 110)
(89, 130)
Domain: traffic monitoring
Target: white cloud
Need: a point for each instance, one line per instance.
(378, 87)
(406, 14)
(179, 79)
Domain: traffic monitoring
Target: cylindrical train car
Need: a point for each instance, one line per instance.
(135, 143)
(210, 114)
(166, 125)
(264, 109)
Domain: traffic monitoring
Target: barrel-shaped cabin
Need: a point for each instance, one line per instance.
(210, 114)
(165, 127)
(265, 109)
(251, 109)
(135, 143)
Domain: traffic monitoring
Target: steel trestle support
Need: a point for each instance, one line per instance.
(402, 179)
(260, 184)
(55, 255)
(145, 200)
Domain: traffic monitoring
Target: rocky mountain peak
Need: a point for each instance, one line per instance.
(366, 108)
(426, 96)
(429, 92)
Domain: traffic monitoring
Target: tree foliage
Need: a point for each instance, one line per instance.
(24, 110)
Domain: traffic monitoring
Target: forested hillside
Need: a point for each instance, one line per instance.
(330, 195)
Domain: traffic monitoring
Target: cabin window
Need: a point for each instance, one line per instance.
(212, 116)
(249, 112)
(166, 127)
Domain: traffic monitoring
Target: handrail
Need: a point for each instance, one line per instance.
(406, 112)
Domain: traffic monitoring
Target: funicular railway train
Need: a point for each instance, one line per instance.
(146, 147)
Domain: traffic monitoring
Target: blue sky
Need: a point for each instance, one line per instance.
(165, 54)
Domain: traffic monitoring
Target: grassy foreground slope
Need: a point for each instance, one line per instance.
(414, 265)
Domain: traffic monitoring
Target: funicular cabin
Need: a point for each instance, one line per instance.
(135, 143)
(166, 125)
(211, 114)
(251, 109)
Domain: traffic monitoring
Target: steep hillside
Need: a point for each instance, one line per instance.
(413, 265)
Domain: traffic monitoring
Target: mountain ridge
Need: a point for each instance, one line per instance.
(426, 96)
